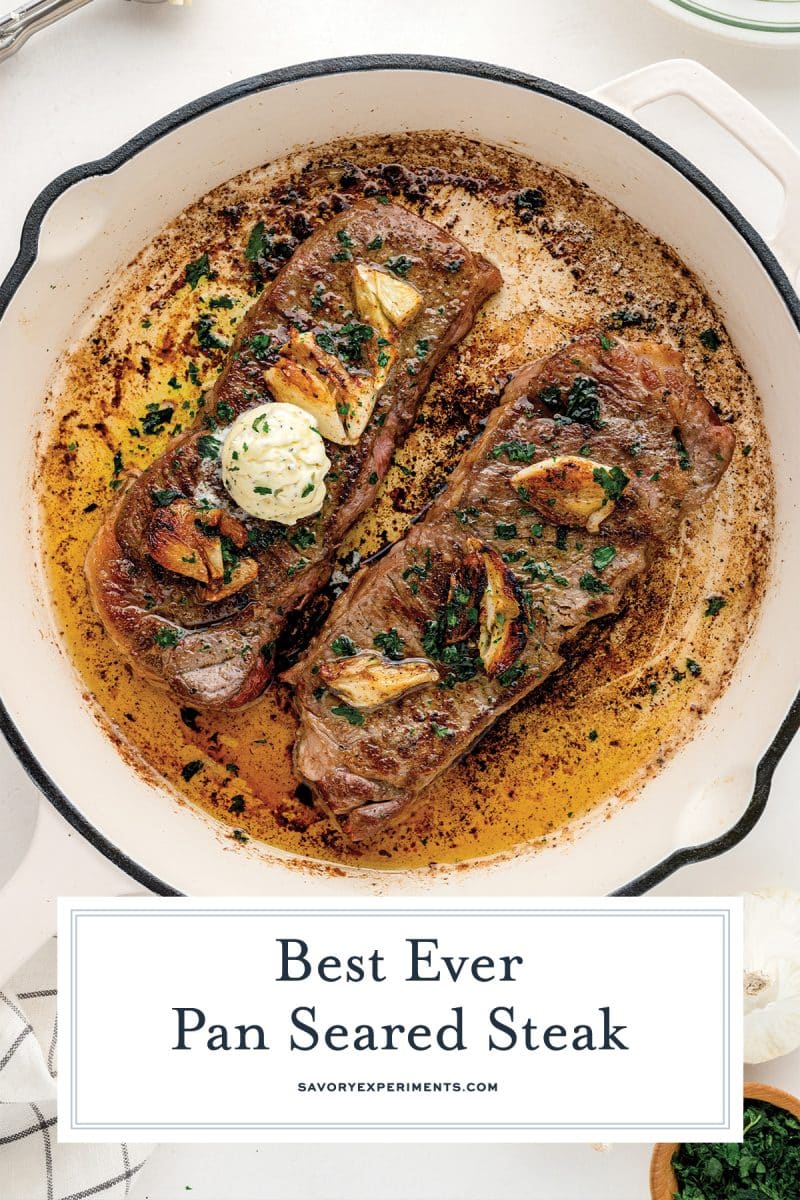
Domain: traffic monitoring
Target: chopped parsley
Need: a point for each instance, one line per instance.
(551, 395)
(693, 667)
(603, 556)
(390, 642)
(348, 342)
(683, 458)
(343, 646)
(606, 343)
(591, 584)
(583, 405)
(196, 270)
(260, 344)
(466, 515)
(350, 714)
(417, 571)
(166, 636)
(454, 265)
(207, 337)
(376, 243)
(612, 482)
(225, 413)
(400, 265)
(220, 302)
(155, 419)
(714, 605)
(307, 490)
(302, 538)
(511, 675)
(190, 769)
(163, 497)
(237, 804)
(259, 244)
(208, 447)
(505, 530)
(441, 731)
(515, 451)
(541, 571)
(765, 1165)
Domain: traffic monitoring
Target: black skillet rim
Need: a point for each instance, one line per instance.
(402, 62)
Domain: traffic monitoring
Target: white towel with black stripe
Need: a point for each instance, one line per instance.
(33, 1165)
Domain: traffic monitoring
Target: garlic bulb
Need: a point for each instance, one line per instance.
(771, 974)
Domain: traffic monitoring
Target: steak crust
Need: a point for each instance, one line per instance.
(626, 411)
(220, 652)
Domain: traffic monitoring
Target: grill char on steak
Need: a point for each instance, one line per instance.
(217, 650)
(521, 550)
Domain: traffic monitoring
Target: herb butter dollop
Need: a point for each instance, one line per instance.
(274, 463)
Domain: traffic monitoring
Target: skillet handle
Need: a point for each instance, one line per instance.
(59, 862)
(683, 77)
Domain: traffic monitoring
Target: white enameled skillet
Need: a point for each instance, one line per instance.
(92, 220)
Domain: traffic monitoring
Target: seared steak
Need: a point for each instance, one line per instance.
(583, 473)
(193, 589)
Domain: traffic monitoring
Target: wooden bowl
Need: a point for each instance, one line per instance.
(664, 1185)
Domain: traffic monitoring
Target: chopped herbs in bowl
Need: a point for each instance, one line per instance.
(765, 1165)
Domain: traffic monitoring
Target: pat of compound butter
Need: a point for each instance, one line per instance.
(274, 463)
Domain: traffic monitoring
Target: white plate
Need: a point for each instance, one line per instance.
(757, 22)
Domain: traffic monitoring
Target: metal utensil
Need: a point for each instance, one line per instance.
(18, 25)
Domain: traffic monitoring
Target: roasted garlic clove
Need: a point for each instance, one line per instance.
(503, 635)
(464, 593)
(176, 543)
(384, 300)
(365, 391)
(243, 573)
(566, 490)
(368, 680)
(317, 381)
(227, 525)
(293, 383)
(184, 539)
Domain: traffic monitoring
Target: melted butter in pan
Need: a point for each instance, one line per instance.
(635, 686)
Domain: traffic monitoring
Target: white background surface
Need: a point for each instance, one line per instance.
(80, 89)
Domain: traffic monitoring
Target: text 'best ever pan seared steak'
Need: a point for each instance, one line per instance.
(191, 588)
(583, 474)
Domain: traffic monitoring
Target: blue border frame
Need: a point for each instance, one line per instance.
(382, 913)
(401, 62)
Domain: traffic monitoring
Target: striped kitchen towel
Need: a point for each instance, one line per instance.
(33, 1166)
